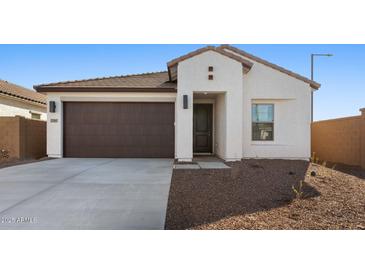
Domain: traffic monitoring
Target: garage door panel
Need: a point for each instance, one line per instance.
(118, 129)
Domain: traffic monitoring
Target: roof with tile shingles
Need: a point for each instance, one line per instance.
(162, 81)
(14, 90)
(158, 80)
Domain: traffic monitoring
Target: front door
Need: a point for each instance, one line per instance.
(202, 128)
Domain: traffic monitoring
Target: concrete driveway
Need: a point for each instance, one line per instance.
(85, 194)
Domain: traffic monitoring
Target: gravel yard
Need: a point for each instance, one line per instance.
(258, 194)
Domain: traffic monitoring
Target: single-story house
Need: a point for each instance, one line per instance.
(19, 101)
(215, 100)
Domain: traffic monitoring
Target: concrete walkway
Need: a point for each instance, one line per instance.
(203, 162)
(85, 194)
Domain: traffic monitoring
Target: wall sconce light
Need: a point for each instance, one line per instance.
(185, 101)
(52, 106)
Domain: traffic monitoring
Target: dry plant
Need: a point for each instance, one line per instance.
(4, 153)
(313, 157)
(299, 190)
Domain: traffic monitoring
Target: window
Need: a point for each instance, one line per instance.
(36, 116)
(262, 122)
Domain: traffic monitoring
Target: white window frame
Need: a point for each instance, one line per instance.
(273, 124)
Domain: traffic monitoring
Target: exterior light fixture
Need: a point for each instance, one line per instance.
(52, 106)
(185, 101)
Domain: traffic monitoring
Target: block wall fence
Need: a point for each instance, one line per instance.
(340, 140)
(22, 139)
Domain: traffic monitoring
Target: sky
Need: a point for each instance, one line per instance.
(342, 76)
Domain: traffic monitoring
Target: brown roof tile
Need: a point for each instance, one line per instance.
(14, 90)
(153, 80)
(161, 81)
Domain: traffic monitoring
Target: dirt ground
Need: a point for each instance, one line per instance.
(258, 194)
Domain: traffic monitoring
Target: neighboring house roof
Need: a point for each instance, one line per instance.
(155, 81)
(313, 84)
(25, 94)
(173, 63)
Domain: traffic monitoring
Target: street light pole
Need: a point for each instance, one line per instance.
(312, 76)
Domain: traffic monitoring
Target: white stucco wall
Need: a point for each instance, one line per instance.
(262, 84)
(10, 107)
(55, 128)
(193, 77)
(220, 126)
(234, 95)
(292, 107)
(55, 120)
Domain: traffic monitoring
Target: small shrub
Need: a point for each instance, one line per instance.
(314, 159)
(299, 190)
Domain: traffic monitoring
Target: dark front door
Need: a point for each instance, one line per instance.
(202, 128)
(135, 130)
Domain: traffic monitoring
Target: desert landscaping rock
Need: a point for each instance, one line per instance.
(257, 194)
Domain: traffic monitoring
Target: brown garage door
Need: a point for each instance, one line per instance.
(116, 130)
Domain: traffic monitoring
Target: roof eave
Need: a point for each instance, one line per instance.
(189, 55)
(247, 65)
(32, 101)
(315, 85)
(312, 84)
(175, 61)
(46, 89)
